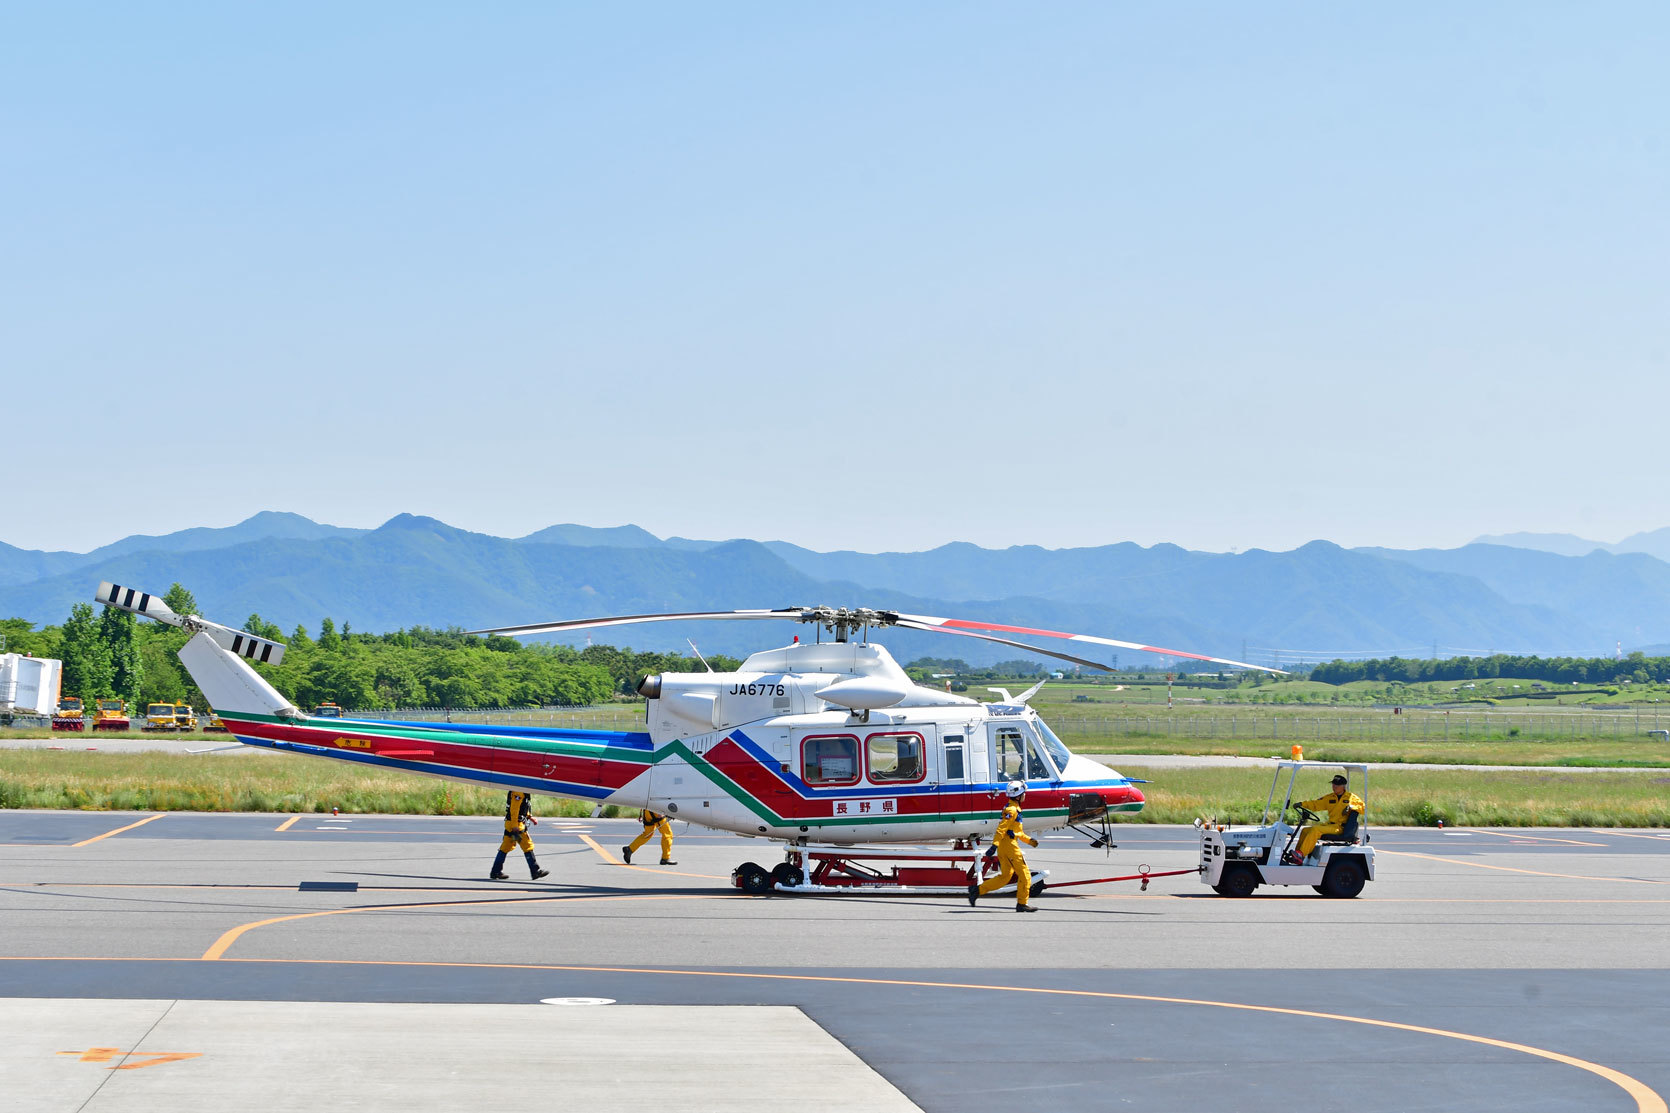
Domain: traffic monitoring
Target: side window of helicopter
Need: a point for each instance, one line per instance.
(829, 759)
(1011, 753)
(895, 758)
(954, 758)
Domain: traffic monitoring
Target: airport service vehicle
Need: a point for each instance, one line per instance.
(214, 724)
(71, 714)
(1237, 860)
(111, 714)
(327, 710)
(29, 685)
(159, 717)
(822, 747)
(185, 719)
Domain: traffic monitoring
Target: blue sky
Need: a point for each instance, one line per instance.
(854, 276)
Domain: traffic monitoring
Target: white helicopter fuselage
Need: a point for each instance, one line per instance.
(825, 743)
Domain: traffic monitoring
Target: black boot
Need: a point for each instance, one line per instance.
(533, 867)
(498, 873)
(973, 893)
(626, 852)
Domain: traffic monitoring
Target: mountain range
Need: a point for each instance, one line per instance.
(1311, 603)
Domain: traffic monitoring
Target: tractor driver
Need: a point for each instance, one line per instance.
(1006, 844)
(1343, 808)
(518, 816)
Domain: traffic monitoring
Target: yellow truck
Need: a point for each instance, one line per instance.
(184, 717)
(159, 716)
(69, 715)
(111, 714)
(327, 710)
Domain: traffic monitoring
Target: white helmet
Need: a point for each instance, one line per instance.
(1016, 790)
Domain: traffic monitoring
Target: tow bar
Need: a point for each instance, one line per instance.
(1143, 874)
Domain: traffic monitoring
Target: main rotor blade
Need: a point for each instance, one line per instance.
(792, 613)
(963, 625)
(910, 624)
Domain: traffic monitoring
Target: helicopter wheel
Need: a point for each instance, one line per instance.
(753, 878)
(787, 875)
(1037, 888)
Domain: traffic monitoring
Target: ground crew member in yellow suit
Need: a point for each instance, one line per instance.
(653, 822)
(1338, 805)
(518, 817)
(1007, 843)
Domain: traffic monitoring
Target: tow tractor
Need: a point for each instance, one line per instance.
(1237, 860)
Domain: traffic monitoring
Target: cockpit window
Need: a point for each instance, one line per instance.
(1018, 756)
(1059, 753)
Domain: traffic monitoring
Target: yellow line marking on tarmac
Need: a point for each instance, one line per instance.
(1532, 838)
(1632, 835)
(614, 861)
(287, 824)
(117, 831)
(607, 857)
(219, 947)
(1646, 1099)
(1512, 869)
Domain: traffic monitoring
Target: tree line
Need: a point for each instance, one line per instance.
(106, 654)
(1565, 671)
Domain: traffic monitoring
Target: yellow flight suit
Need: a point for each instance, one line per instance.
(516, 813)
(1338, 805)
(1007, 843)
(653, 822)
(518, 817)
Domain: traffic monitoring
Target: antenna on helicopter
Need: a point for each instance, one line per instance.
(699, 656)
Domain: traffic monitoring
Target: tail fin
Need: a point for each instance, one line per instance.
(230, 686)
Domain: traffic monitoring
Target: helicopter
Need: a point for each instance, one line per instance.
(822, 746)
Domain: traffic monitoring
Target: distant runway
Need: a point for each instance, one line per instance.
(1485, 969)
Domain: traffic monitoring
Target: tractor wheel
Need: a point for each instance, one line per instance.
(786, 874)
(1239, 880)
(1345, 877)
(1037, 888)
(753, 878)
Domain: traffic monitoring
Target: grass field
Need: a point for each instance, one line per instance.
(1591, 754)
(261, 782)
(252, 782)
(1422, 797)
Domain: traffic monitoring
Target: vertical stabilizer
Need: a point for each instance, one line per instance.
(230, 685)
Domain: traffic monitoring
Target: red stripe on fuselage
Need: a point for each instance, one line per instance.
(486, 756)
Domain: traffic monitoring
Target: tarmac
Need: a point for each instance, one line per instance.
(189, 961)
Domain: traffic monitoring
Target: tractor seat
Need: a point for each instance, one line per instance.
(1347, 836)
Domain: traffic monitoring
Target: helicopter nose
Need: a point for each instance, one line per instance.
(1126, 794)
